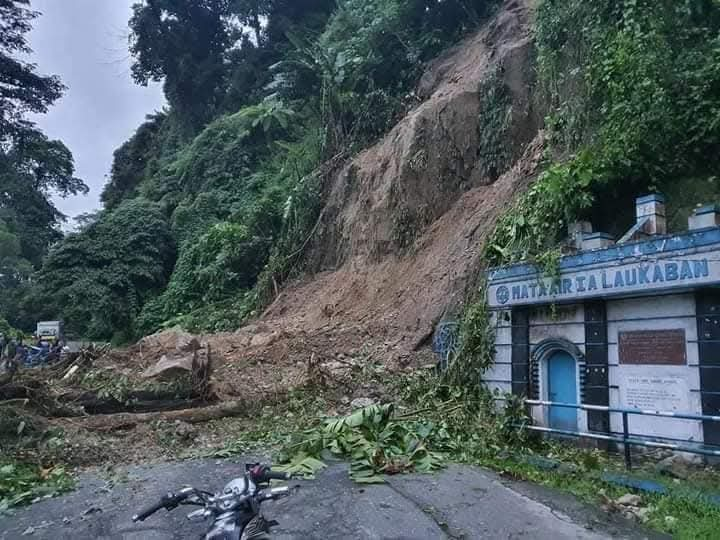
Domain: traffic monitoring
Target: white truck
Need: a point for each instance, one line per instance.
(49, 331)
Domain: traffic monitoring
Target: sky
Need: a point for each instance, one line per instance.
(85, 43)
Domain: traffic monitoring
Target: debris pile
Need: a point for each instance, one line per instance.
(101, 383)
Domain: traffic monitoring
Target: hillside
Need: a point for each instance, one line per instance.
(401, 232)
(343, 171)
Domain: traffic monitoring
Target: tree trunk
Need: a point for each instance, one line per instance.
(110, 422)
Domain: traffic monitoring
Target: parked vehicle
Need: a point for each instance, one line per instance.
(49, 331)
(235, 513)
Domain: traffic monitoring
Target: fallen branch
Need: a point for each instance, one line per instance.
(9, 402)
(111, 422)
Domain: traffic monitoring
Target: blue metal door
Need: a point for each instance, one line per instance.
(562, 388)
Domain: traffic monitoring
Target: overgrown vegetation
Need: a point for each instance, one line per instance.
(633, 92)
(374, 439)
(32, 166)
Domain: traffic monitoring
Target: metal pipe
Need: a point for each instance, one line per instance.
(626, 446)
(669, 414)
(631, 441)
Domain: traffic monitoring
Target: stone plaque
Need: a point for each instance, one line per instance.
(663, 347)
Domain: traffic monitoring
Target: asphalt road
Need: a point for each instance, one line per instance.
(460, 502)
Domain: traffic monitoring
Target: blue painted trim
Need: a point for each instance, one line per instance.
(653, 197)
(654, 246)
(593, 236)
(707, 209)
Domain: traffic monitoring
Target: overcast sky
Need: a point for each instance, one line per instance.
(85, 43)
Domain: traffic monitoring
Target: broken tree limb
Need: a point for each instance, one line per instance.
(110, 422)
(14, 402)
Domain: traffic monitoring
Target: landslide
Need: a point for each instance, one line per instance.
(401, 234)
(402, 230)
(395, 250)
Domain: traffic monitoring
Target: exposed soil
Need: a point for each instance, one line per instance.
(401, 235)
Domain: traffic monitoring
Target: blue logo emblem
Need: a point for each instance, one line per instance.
(502, 294)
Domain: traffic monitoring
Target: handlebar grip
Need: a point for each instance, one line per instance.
(149, 511)
(273, 475)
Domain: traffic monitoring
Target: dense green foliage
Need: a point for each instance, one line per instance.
(634, 94)
(211, 202)
(262, 92)
(22, 483)
(375, 441)
(31, 165)
(103, 278)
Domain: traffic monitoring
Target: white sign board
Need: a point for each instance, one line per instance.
(649, 392)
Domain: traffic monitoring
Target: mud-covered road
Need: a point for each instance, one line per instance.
(460, 502)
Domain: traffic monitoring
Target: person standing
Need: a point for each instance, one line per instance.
(11, 349)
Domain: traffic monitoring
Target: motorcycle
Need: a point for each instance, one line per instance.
(235, 513)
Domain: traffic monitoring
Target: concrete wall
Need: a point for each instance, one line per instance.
(669, 387)
(498, 376)
(680, 383)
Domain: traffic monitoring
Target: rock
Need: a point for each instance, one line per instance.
(674, 466)
(629, 499)
(263, 340)
(184, 431)
(186, 343)
(642, 513)
(362, 402)
(167, 368)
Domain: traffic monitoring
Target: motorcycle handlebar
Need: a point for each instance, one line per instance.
(262, 474)
(273, 475)
(149, 511)
(276, 493)
(168, 502)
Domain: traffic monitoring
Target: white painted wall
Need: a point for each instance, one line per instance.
(656, 313)
(567, 322)
(499, 373)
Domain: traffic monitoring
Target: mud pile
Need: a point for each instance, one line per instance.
(403, 227)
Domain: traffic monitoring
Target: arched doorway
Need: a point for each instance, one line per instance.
(557, 369)
(562, 388)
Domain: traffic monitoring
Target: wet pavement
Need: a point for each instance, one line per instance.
(459, 502)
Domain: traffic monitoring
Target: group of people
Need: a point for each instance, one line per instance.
(13, 349)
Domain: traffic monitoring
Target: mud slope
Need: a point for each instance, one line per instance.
(405, 220)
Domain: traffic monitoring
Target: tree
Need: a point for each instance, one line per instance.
(251, 13)
(31, 168)
(21, 88)
(31, 165)
(13, 268)
(130, 162)
(182, 42)
(100, 277)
